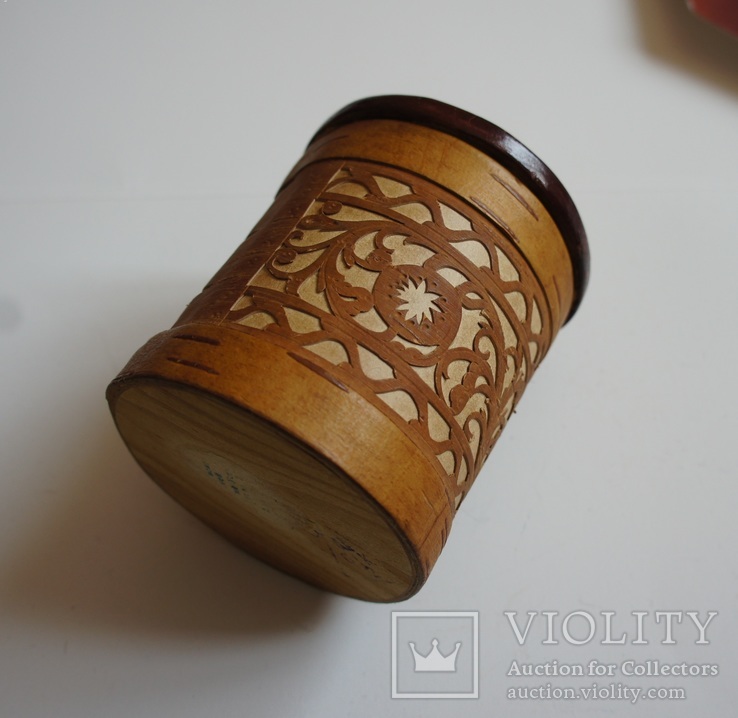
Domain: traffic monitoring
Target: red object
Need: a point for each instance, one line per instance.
(723, 13)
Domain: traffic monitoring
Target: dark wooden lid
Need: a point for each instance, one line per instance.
(496, 143)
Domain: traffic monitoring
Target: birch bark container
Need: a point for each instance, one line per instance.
(328, 399)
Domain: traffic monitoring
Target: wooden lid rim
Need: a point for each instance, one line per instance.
(497, 144)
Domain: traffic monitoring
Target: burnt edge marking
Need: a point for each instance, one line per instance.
(497, 220)
(198, 338)
(327, 141)
(318, 370)
(558, 290)
(193, 364)
(515, 194)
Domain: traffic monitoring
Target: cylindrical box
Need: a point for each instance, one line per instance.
(328, 399)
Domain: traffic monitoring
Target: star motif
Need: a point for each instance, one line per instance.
(418, 303)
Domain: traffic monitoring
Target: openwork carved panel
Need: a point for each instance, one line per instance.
(397, 289)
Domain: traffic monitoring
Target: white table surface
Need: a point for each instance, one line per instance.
(140, 141)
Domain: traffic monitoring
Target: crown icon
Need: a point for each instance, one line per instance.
(435, 661)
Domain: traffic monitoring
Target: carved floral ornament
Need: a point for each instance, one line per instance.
(403, 292)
